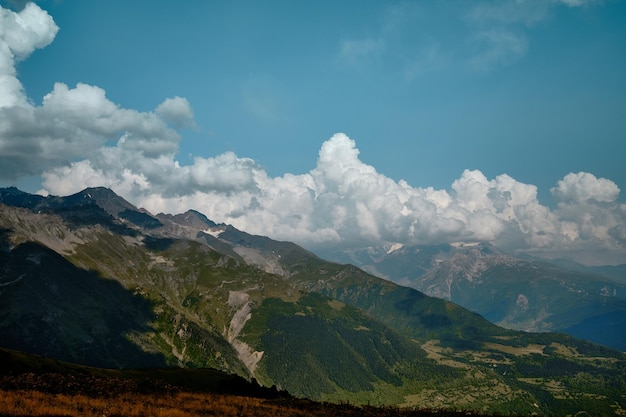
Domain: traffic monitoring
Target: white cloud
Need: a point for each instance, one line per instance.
(78, 138)
(582, 186)
(177, 112)
(20, 34)
(591, 216)
(27, 30)
(343, 201)
(225, 172)
(72, 123)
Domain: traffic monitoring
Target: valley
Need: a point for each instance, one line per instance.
(92, 280)
(520, 293)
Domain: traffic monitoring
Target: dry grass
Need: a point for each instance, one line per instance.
(89, 392)
(32, 403)
(180, 404)
(517, 351)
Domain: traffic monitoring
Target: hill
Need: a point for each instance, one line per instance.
(526, 294)
(31, 385)
(82, 283)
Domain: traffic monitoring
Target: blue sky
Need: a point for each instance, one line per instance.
(530, 91)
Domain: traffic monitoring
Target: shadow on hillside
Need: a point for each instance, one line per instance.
(52, 308)
(158, 243)
(5, 245)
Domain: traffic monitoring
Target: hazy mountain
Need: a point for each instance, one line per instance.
(522, 294)
(91, 279)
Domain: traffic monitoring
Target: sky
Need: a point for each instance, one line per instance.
(331, 124)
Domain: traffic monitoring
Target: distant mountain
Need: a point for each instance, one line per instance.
(522, 294)
(91, 279)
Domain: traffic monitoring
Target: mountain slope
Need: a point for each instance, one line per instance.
(122, 292)
(521, 294)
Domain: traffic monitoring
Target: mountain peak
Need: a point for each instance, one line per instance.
(14, 197)
(118, 207)
(190, 218)
(105, 198)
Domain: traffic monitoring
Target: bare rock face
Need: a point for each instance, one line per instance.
(240, 302)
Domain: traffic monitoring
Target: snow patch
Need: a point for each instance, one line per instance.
(395, 247)
(464, 244)
(213, 232)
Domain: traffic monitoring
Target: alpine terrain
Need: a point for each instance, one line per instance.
(527, 294)
(91, 279)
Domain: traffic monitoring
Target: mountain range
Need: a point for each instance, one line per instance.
(528, 294)
(91, 279)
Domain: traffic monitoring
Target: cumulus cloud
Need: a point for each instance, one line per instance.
(591, 216)
(20, 34)
(177, 112)
(345, 202)
(78, 138)
(72, 123)
(581, 187)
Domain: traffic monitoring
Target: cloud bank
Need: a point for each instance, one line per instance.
(344, 202)
(78, 138)
(71, 123)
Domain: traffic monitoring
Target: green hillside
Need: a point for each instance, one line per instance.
(116, 293)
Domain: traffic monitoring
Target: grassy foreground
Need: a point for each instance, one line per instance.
(35, 386)
(184, 404)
